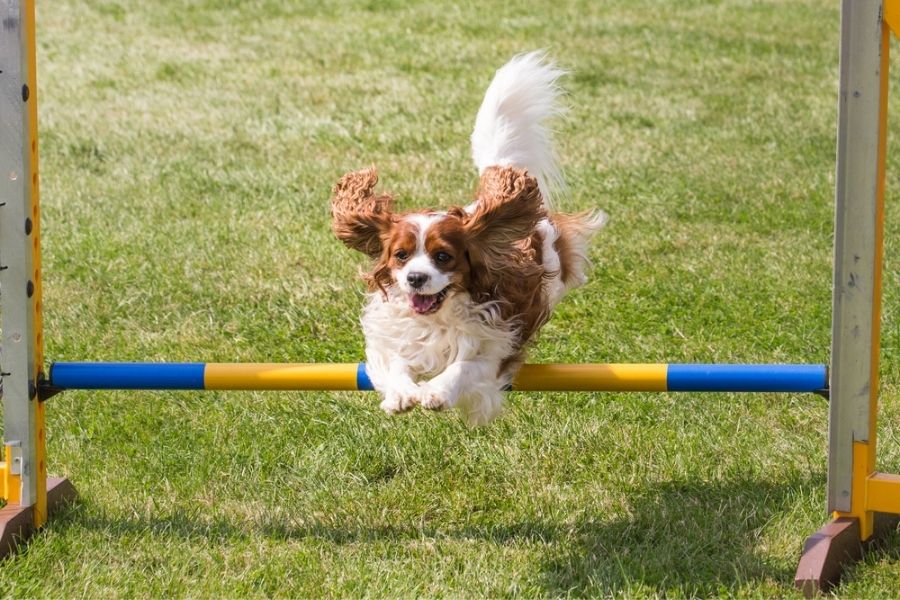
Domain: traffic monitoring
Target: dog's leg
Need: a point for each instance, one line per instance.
(391, 377)
(460, 379)
(471, 385)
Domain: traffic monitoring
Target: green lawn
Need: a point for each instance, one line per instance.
(188, 150)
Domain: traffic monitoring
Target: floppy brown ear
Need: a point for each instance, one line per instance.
(359, 218)
(508, 208)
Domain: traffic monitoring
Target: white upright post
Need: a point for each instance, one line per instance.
(19, 262)
(859, 209)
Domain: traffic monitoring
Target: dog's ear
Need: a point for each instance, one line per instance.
(359, 218)
(508, 209)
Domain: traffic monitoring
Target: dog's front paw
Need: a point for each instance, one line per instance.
(435, 398)
(400, 400)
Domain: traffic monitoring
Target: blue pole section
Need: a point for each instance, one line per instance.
(127, 376)
(747, 378)
(363, 382)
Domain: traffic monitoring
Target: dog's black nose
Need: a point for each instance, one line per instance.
(417, 280)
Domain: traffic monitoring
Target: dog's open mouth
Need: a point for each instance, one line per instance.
(424, 304)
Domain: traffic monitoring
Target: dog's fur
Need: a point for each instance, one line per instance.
(456, 295)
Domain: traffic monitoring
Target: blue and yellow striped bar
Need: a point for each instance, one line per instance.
(353, 376)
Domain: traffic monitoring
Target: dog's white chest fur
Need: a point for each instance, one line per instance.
(426, 344)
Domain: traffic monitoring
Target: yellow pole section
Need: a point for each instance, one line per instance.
(273, 376)
(592, 377)
(535, 378)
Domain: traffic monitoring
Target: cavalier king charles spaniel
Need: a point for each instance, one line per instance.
(456, 295)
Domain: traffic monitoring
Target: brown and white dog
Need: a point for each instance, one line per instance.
(455, 296)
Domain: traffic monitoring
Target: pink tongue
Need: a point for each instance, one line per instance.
(422, 303)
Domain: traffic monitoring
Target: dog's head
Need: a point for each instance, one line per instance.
(429, 255)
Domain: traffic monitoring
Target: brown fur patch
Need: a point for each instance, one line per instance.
(402, 236)
(505, 251)
(359, 218)
(446, 244)
(573, 230)
(509, 207)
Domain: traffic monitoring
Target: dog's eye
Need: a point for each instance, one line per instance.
(442, 257)
(401, 254)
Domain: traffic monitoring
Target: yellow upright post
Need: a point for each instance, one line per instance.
(29, 31)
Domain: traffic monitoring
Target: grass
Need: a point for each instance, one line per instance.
(187, 154)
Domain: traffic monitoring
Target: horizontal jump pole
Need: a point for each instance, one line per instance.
(353, 376)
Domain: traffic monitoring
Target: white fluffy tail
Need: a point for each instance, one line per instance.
(511, 130)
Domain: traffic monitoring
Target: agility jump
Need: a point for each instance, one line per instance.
(856, 492)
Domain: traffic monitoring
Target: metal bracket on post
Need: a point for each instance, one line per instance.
(15, 457)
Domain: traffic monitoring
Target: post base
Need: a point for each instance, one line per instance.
(833, 547)
(824, 555)
(17, 521)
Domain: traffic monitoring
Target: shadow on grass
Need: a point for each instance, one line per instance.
(690, 538)
(687, 538)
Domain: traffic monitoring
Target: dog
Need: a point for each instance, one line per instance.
(456, 295)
